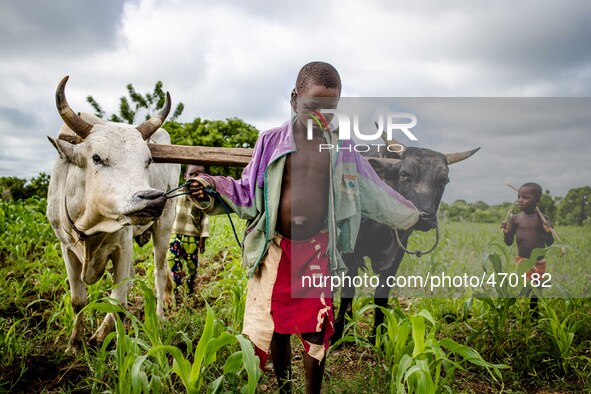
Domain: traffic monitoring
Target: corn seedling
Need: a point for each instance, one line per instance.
(193, 374)
(416, 360)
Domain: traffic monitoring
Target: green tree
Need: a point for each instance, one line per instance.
(480, 205)
(229, 133)
(12, 188)
(38, 186)
(485, 216)
(575, 207)
(547, 205)
(129, 107)
(460, 211)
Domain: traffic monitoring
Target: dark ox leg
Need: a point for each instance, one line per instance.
(381, 297)
(382, 293)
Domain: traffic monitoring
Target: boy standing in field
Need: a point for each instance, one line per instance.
(303, 207)
(190, 231)
(530, 231)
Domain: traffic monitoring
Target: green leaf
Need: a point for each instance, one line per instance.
(233, 363)
(403, 367)
(251, 363)
(418, 334)
(202, 347)
(139, 380)
(180, 366)
(472, 356)
(495, 260)
(216, 344)
(216, 386)
(466, 308)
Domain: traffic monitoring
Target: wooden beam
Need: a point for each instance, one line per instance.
(201, 155)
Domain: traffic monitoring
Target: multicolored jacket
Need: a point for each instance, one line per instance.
(356, 192)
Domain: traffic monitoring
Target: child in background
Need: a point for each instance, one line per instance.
(530, 232)
(190, 231)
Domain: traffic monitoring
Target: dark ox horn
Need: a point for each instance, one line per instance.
(70, 118)
(150, 126)
(455, 157)
(392, 141)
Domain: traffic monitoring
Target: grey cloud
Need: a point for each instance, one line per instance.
(544, 140)
(34, 27)
(18, 118)
(232, 58)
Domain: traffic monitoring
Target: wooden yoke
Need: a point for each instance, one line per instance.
(201, 155)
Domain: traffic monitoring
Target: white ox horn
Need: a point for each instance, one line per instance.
(455, 157)
(70, 118)
(150, 126)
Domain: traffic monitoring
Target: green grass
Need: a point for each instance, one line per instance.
(432, 341)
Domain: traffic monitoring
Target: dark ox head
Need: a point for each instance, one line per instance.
(420, 175)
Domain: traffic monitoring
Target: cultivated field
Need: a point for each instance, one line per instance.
(460, 343)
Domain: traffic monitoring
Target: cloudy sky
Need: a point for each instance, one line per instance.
(239, 59)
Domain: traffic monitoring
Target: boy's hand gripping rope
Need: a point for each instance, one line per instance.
(208, 190)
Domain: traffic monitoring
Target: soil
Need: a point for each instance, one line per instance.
(48, 372)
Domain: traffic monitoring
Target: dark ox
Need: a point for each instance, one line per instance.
(420, 175)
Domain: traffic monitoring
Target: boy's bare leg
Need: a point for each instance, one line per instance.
(314, 372)
(313, 369)
(281, 356)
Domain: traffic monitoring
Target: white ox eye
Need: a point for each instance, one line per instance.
(148, 162)
(96, 159)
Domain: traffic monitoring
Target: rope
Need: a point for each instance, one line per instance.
(81, 235)
(417, 252)
(208, 190)
(184, 185)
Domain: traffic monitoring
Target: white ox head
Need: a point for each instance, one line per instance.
(108, 182)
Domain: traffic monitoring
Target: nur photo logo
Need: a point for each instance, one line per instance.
(386, 124)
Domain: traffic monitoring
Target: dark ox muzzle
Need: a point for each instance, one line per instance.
(154, 201)
(427, 221)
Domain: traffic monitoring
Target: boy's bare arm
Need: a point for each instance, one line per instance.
(509, 230)
(548, 226)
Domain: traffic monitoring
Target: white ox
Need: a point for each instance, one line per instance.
(104, 190)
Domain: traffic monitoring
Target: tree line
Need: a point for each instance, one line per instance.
(572, 209)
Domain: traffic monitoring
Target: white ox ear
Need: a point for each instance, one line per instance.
(67, 151)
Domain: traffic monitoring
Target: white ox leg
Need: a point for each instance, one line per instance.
(161, 239)
(77, 296)
(163, 280)
(122, 259)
